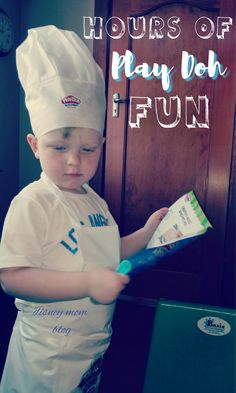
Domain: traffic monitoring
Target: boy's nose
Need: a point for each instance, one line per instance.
(74, 158)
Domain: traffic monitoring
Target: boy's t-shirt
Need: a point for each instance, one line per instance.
(39, 232)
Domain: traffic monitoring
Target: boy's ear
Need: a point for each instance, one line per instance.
(33, 142)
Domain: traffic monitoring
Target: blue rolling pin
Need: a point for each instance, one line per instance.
(149, 257)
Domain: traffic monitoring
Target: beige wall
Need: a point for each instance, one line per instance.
(65, 14)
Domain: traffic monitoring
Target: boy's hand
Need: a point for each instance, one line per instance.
(105, 285)
(154, 220)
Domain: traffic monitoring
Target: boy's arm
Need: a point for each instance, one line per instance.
(39, 285)
(138, 240)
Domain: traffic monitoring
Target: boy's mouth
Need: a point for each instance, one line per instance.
(73, 174)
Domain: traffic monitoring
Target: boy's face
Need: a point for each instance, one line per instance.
(69, 157)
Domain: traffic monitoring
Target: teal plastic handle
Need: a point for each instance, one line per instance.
(125, 267)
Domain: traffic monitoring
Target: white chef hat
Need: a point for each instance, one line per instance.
(64, 86)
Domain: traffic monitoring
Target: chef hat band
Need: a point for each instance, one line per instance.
(64, 86)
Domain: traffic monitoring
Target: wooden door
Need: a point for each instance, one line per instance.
(151, 166)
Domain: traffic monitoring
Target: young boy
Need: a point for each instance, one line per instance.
(60, 244)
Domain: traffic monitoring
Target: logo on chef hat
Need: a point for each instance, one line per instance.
(71, 101)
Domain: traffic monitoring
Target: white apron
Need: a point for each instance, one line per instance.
(58, 347)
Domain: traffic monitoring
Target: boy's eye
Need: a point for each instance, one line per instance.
(87, 149)
(59, 148)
